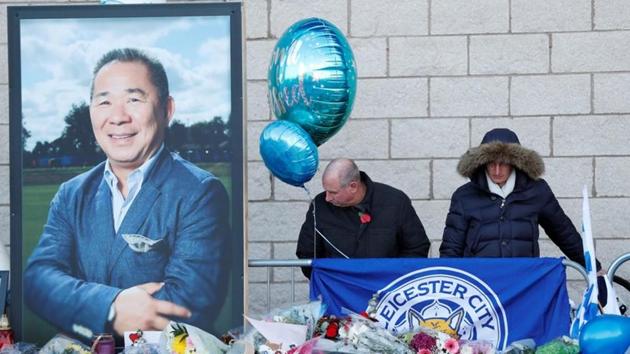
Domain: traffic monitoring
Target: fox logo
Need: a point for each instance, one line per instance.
(431, 317)
(445, 299)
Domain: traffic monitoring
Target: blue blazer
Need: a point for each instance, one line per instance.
(80, 264)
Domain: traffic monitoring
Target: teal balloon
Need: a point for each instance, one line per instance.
(605, 334)
(289, 152)
(312, 78)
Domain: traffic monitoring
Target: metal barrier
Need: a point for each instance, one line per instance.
(290, 263)
(616, 264)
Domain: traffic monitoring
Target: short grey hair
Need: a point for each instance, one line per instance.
(345, 169)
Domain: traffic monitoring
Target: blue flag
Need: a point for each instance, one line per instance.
(494, 299)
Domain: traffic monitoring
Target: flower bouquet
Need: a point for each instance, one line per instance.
(61, 344)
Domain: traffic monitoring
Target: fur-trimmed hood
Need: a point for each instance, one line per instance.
(501, 145)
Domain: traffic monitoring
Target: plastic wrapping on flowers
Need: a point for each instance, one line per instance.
(61, 344)
(564, 345)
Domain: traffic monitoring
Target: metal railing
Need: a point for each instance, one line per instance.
(291, 263)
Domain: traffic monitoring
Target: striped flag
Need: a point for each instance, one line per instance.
(589, 308)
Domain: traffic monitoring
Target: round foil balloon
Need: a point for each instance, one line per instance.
(289, 152)
(605, 334)
(312, 78)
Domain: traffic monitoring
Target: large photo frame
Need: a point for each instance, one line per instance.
(54, 96)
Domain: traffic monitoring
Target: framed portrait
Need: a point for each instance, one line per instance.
(58, 60)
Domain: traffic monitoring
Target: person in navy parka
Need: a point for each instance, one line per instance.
(498, 212)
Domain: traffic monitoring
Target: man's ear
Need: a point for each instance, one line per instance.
(170, 108)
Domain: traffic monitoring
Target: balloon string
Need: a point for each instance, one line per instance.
(316, 231)
(310, 197)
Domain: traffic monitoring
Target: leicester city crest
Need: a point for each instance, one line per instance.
(445, 299)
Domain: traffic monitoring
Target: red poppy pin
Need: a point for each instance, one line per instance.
(365, 217)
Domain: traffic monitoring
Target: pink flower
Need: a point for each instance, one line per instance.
(451, 345)
(424, 351)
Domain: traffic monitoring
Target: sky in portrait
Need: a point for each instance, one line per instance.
(58, 56)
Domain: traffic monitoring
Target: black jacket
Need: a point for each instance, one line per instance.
(393, 231)
(483, 224)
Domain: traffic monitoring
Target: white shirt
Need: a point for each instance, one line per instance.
(120, 205)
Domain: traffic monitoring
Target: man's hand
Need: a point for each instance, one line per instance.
(137, 309)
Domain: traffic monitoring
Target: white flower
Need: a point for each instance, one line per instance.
(466, 349)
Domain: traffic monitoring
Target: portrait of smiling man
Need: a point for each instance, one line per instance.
(141, 238)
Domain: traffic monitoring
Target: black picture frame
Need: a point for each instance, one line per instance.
(139, 16)
(4, 287)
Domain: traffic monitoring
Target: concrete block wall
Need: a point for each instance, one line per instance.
(434, 76)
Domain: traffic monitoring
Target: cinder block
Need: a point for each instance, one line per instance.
(477, 96)
(286, 250)
(258, 58)
(258, 250)
(3, 23)
(612, 177)
(275, 221)
(612, 93)
(612, 14)
(370, 56)
(446, 179)
(388, 17)
(576, 289)
(533, 132)
(4, 104)
(284, 13)
(550, 94)
(551, 15)
(549, 249)
(591, 135)
(280, 297)
(410, 176)
(469, 16)
(429, 138)
(591, 51)
(4, 64)
(4, 144)
(609, 216)
(284, 191)
(5, 185)
(609, 250)
(567, 176)
(378, 98)
(432, 213)
(256, 18)
(258, 181)
(257, 101)
(257, 303)
(253, 140)
(509, 54)
(421, 56)
(351, 140)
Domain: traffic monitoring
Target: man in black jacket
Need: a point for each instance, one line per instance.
(357, 218)
(497, 213)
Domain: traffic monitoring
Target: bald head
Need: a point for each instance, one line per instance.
(342, 170)
(342, 183)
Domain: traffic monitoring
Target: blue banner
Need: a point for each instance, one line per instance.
(499, 300)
